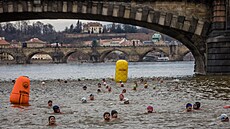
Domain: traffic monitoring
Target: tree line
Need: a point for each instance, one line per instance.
(24, 30)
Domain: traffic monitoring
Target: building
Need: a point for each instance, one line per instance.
(93, 28)
(15, 44)
(34, 43)
(156, 37)
(4, 44)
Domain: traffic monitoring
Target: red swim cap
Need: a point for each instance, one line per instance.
(150, 108)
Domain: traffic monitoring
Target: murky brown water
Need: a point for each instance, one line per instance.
(168, 100)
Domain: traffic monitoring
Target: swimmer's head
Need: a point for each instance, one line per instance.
(146, 85)
(83, 100)
(150, 109)
(106, 116)
(109, 89)
(91, 97)
(124, 91)
(189, 107)
(196, 105)
(50, 103)
(99, 85)
(224, 118)
(84, 87)
(126, 101)
(98, 90)
(121, 97)
(51, 120)
(114, 113)
(56, 109)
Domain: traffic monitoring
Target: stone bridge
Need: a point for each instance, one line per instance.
(201, 25)
(61, 54)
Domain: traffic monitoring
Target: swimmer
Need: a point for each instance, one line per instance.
(134, 88)
(99, 85)
(126, 101)
(135, 82)
(224, 118)
(50, 103)
(98, 90)
(109, 89)
(84, 87)
(106, 116)
(52, 121)
(91, 97)
(121, 97)
(145, 85)
(121, 84)
(56, 109)
(124, 91)
(83, 100)
(196, 106)
(135, 85)
(150, 109)
(114, 114)
(104, 82)
(188, 107)
(43, 83)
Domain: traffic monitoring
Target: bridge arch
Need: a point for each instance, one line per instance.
(187, 27)
(67, 55)
(184, 54)
(153, 50)
(29, 57)
(13, 55)
(106, 53)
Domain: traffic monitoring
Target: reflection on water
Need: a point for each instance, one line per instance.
(168, 99)
(97, 70)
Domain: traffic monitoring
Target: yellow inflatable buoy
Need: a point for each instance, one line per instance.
(121, 71)
(21, 91)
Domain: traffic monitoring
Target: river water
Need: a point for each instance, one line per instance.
(95, 70)
(168, 98)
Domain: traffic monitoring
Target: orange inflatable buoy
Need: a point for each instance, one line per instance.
(21, 91)
(227, 106)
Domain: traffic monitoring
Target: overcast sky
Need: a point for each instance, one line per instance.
(60, 24)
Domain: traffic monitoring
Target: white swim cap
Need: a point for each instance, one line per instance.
(83, 100)
(223, 116)
(126, 99)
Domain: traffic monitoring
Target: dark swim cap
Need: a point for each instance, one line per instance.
(197, 104)
(55, 108)
(188, 105)
(114, 112)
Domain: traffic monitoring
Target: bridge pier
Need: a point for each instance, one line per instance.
(218, 43)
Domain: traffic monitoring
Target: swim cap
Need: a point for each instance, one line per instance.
(84, 87)
(91, 95)
(188, 105)
(223, 117)
(55, 108)
(150, 108)
(114, 112)
(126, 99)
(83, 100)
(196, 105)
